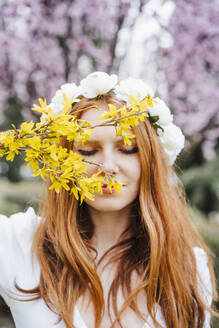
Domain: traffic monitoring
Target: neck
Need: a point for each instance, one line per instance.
(108, 227)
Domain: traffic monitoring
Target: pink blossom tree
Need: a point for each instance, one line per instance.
(46, 43)
(191, 68)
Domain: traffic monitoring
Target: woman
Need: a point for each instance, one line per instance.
(127, 260)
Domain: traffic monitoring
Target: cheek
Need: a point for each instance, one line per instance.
(92, 169)
(132, 167)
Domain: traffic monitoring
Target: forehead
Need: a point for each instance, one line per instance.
(93, 114)
(107, 133)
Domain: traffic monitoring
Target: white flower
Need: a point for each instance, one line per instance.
(172, 141)
(56, 107)
(97, 83)
(160, 109)
(132, 87)
(71, 90)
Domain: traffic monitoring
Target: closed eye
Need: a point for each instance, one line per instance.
(87, 152)
(130, 151)
(94, 151)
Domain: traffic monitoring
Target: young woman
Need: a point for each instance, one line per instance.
(128, 260)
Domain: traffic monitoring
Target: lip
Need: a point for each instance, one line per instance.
(107, 191)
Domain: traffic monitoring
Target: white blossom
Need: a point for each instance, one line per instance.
(71, 90)
(132, 87)
(160, 109)
(98, 83)
(56, 107)
(172, 140)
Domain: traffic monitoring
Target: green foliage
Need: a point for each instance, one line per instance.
(202, 185)
(17, 197)
(209, 231)
(12, 113)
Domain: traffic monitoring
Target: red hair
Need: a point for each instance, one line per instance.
(160, 249)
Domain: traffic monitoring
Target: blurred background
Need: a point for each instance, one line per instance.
(172, 45)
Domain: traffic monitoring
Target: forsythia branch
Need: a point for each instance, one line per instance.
(40, 144)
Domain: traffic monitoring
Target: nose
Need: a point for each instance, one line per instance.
(109, 164)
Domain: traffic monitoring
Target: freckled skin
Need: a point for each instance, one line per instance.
(108, 149)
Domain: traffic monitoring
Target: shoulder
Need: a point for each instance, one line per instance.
(200, 254)
(203, 275)
(16, 234)
(15, 243)
(202, 265)
(18, 227)
(204, 281)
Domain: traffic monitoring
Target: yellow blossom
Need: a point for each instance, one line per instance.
(40, 143)
(43, 108)
(26, 128)
(67, 104)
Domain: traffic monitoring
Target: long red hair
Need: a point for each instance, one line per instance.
(160, 248)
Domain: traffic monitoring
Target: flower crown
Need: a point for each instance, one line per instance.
(100, 83)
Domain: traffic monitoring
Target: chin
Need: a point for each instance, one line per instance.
(109, 204)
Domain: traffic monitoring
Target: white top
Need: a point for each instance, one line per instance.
(15, 262)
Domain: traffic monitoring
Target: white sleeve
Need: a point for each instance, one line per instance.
(16, 233)
(204, 281)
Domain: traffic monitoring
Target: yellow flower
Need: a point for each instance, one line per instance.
(40, 143)
(26, 128)
(67, 104)
(43, 108)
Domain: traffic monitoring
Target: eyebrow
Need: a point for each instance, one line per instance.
(97, 142)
